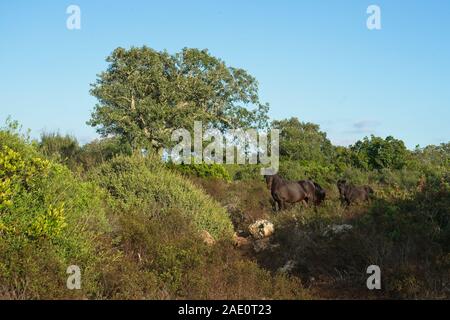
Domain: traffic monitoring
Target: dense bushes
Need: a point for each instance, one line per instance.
(101, 150)
(48, 221)
(66, 150)
(139, 182)
(405, 229)
(303, 141)
(377, 153)
(61, 148)
(202, 170)
(132, 226)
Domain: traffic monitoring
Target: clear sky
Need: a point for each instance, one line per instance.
(315, 60)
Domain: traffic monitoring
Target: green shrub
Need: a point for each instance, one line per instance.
(140, 182)
(301, 170)
(378, 153)
(203, 170)
(101, 150)
(244, 171)
(45, 214)
(64, 149)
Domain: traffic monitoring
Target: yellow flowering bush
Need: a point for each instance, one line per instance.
(17, 172)
(19, 175)
(5, 194)
(4, 229)
(10, 162)
(49, 219)
(49, 224)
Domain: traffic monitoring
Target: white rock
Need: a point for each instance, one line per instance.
(261, 229)
(207, 238)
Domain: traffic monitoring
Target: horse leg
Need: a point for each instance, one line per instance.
(273, 204)
(305, 203)
(278, 205)
(344, 202)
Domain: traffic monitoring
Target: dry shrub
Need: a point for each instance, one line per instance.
(170, 248)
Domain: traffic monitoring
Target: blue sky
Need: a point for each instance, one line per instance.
(314, 60)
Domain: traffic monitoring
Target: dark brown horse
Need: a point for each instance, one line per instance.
(284, 191)
(309, 188)
(316, 194)
(319, 195)
(350, 194)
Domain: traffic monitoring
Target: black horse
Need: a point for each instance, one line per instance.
(284, 191)
(350, 194)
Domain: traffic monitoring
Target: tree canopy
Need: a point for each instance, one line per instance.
(378, 153)
(145, 94)
(434, 155)
(302, 141)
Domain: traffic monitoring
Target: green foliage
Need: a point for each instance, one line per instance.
(301, 170)
(203, 170)
(244, 171)
(431, 159)
(64, 149)
(303, 141)
(435, 155)
(101, 150)
(405, 232)
(45, 214)
(144, 182)
(18, 175)
(377, 153)
(49, 224)
(134, 224)
(11, 136)
(145, 94)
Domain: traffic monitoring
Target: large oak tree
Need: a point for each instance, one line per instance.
(145, 94)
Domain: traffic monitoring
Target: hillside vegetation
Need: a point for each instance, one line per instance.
(140, 227)
(131, 225)
(134, 226)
